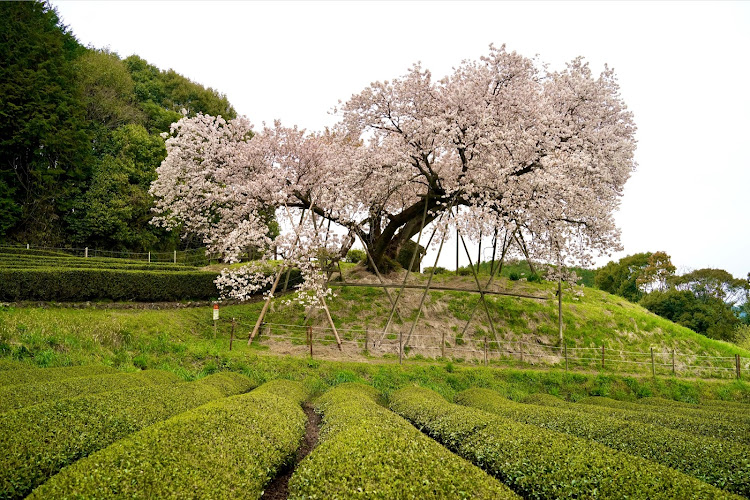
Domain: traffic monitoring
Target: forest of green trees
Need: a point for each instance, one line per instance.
(80, 136)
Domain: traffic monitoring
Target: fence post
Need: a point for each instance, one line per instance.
(602, 357)
(149, 257)
(400, 347)
(231, 336)
(86, 253)
(367, 341)
(27, 246)
(737, 364)
(485, 351)
(565, 350)
(309, 339)
(520, 349)
(674, 372)
(653, 365)
(174, 259)
(442, 344)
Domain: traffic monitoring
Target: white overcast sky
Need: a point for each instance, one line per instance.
(684, 71)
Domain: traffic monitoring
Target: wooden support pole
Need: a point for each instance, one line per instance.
(367, 341)
(520, 349)
(485, 350)
(426, 290)
(330, 322)
(149, 257)
(479, 251)
(602, 357)
(265, 306)
(400, 347)
(674, 371)
(377, 273)
(559, 309)
(565, 351)
(479, 288)
(442, 344)
(653, 364)
(309, 339)
(737, 365)
(85, 252)
(231, 335)
(174, 257)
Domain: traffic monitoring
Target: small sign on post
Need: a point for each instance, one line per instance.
(216, 316)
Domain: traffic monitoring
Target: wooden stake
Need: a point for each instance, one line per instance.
(330, 322)
(400, 347)
(231, 336)
(520, 349)
(559, 309)
(377, 273)
(565, 350)
(485, 351)
(481, 291)
(674, 372)
(602, 357)
(367, 341)
(309, 339)
(653, 363)
(442, 344)
(737, 364)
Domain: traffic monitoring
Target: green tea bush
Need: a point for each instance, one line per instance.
(229, 448)
(367, 451)
(33, 375)
(38, 441)
(538, 463)
(95, 284)
(713, 405)
(14, 397)
(725, 465)
(714, 426)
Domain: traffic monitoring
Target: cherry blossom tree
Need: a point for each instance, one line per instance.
(502, 143)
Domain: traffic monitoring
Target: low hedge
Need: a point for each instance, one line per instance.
(38, 441)
(741, 415)
(36, 375)
(538, 463)
(14, 397)
(228, 448)
(12, 364)
(710, 404)
(367, 451)
(714, 426)
(96, 284)
(725, 465)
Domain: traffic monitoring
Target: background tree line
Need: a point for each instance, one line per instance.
(80, 135)
(708, 301)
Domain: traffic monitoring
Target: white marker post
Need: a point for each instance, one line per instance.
(216, 316)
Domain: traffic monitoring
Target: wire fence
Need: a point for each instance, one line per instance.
(188, 257)
(361, 342)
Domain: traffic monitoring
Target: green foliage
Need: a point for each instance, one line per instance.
(435, 270)
(368, 450)
(721, 463)
(217, 450)
(707, 315)
(407, 252)
(355, 256)
(97, 284)
(514, 276)
(20, 396)
(538, 463)
(40, 375)
(621, 278)
(38, 441)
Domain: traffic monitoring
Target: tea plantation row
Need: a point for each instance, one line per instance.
(150, 435)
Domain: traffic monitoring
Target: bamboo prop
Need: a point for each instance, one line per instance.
(479, 287)
(496, 271)
(377, 273)
(276, 281)
(289, 270)
(435, 287)
(411, 264)
(426, 291)
(522, 245)
(330, 322)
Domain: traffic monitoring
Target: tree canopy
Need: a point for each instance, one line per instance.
(501, 143)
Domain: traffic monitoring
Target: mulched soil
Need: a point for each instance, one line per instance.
(278, 489)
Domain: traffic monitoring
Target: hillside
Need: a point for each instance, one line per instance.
(150, 335)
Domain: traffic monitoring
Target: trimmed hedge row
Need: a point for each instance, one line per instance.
(228, 448)
(29, 261)
(538, 463)
(14, 397)
(38, 441)
(368, 451)
(730, 409)
(37, 375)
(94, 284)
(725, 465)
(11, 364)
(715, 426)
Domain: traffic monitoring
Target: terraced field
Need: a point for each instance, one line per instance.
(94, 432)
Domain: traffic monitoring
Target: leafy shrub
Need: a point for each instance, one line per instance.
(437, 270)
(36, 375)
(355, 256)
(20, 396)
(534, 278)
(716, 462)
(514, 276)
(368, 451)
(538, 463)
(217, 450)
(710, 427)
(38, 441)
